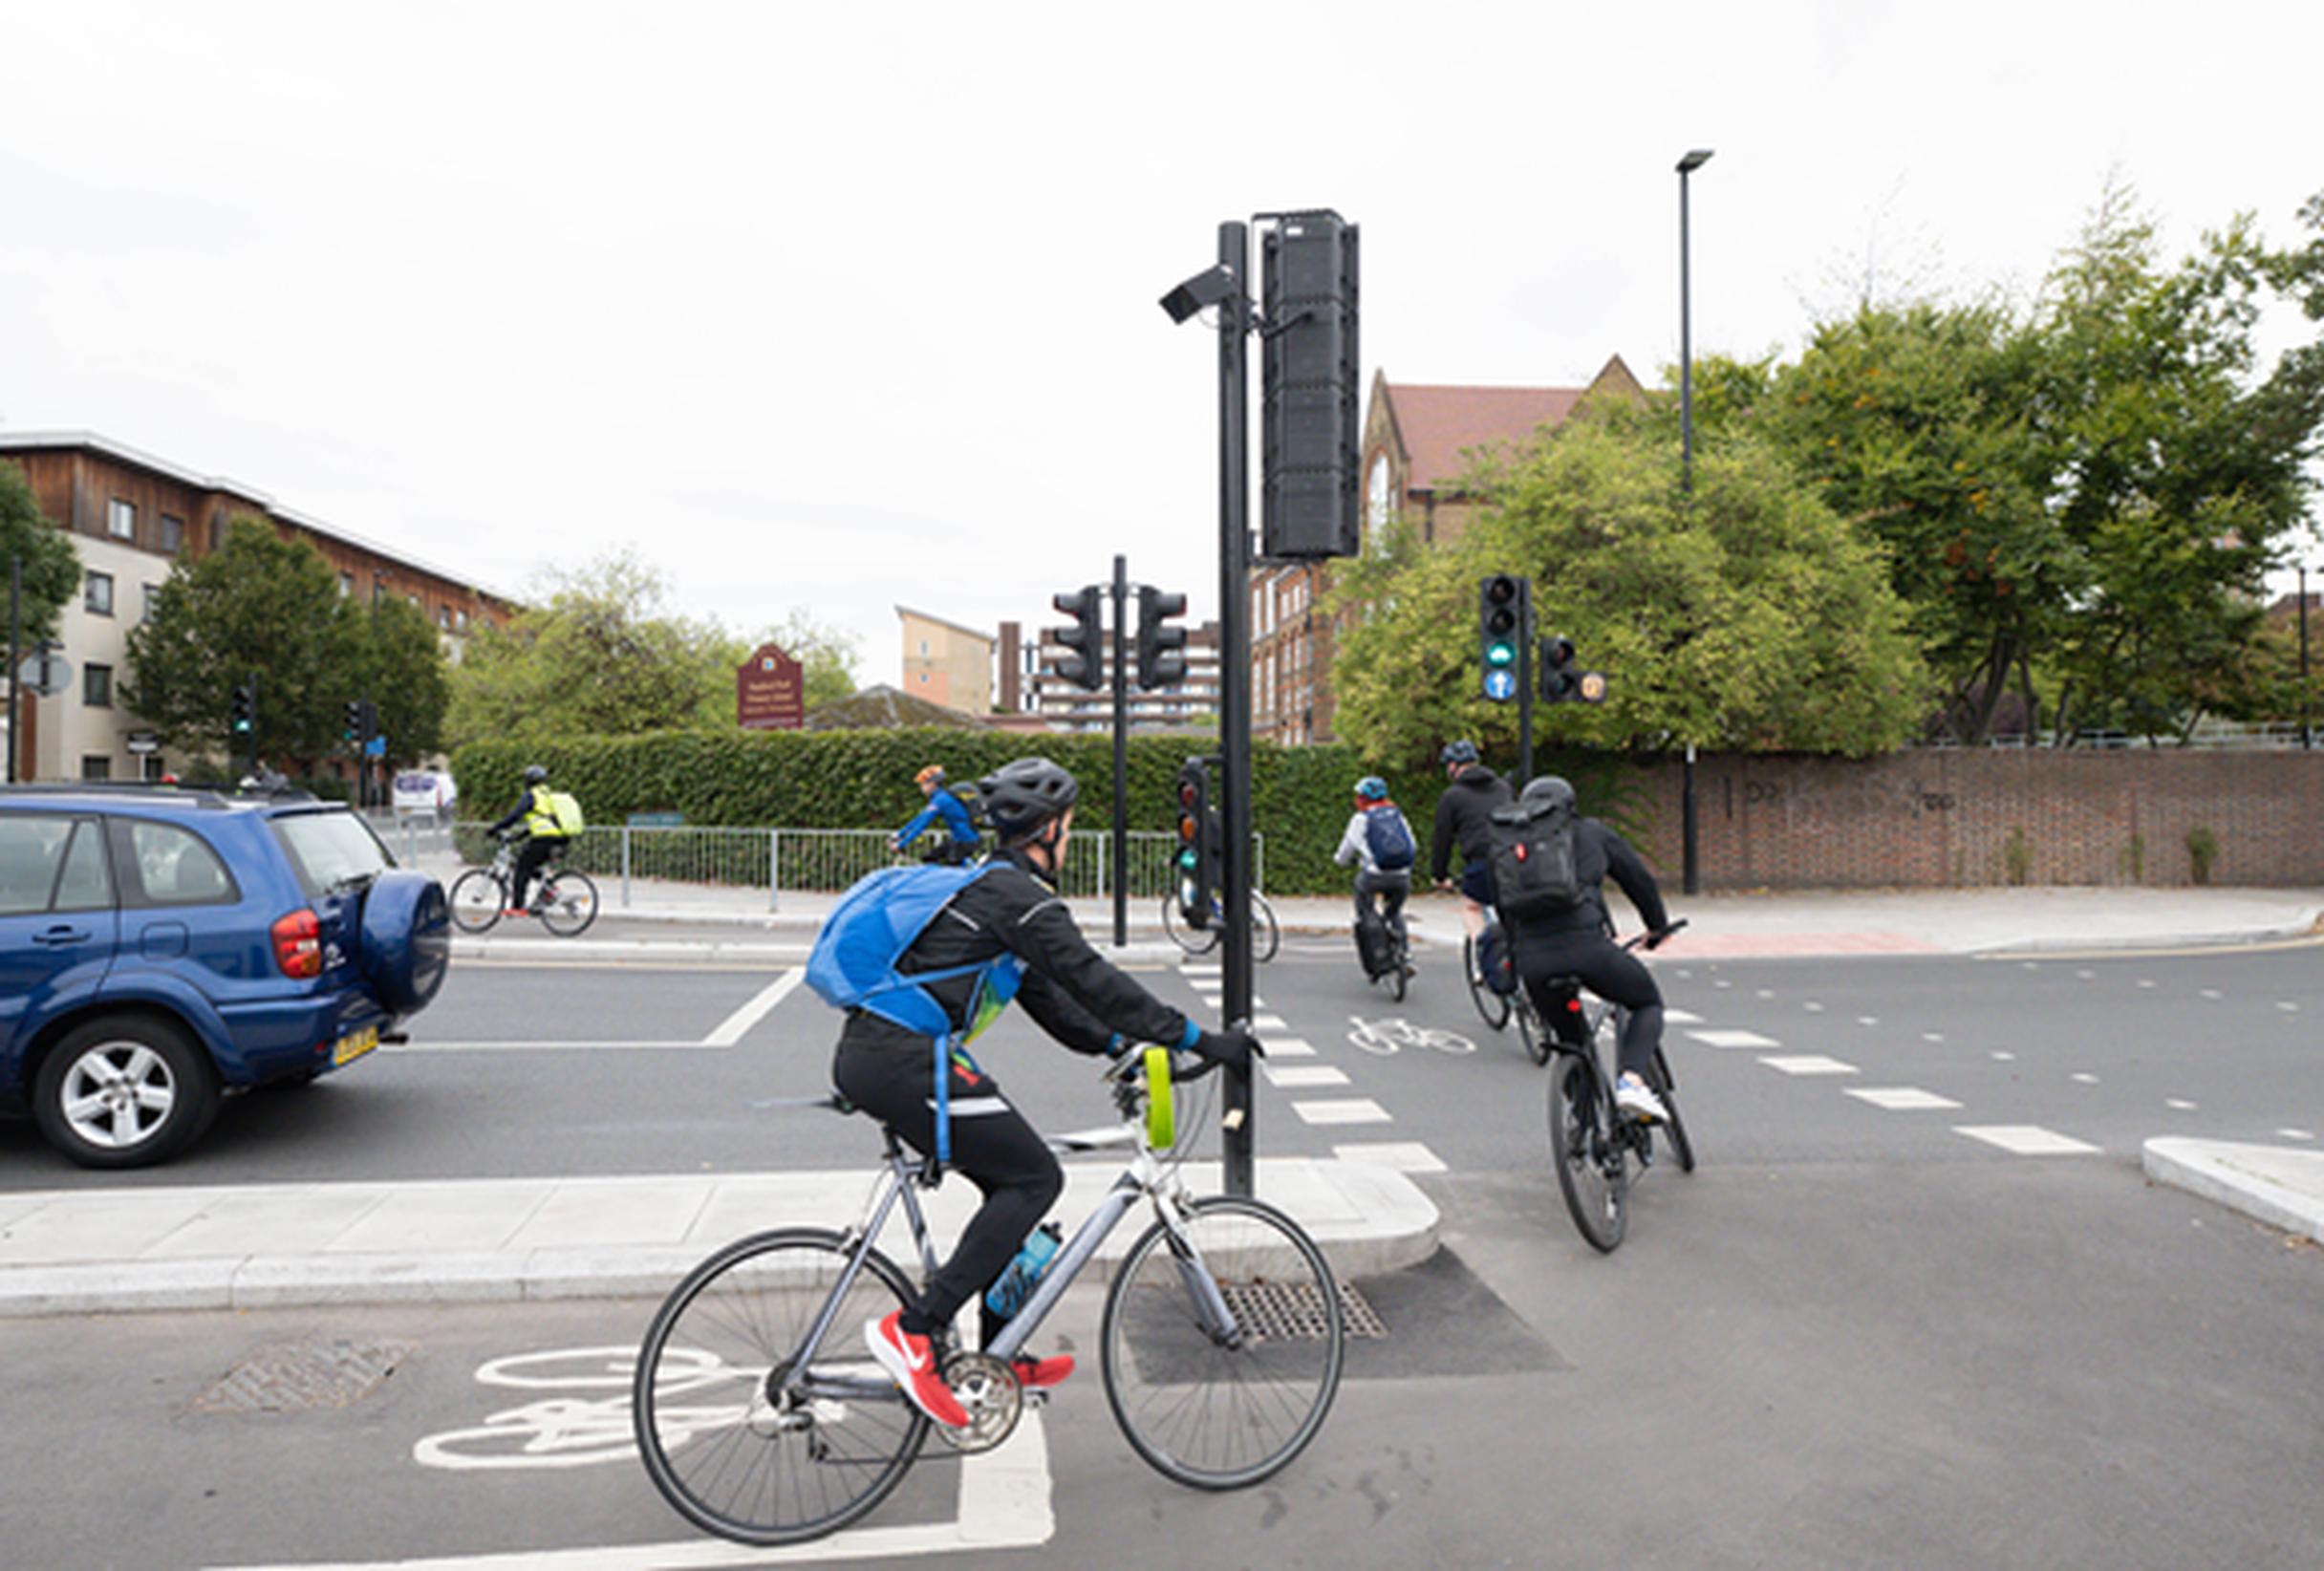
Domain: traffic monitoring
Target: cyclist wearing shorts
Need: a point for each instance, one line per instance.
(1071, 991)
(1464, 820)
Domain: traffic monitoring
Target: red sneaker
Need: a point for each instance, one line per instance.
(516, 911)
(1038, 1375)
(911, 1362)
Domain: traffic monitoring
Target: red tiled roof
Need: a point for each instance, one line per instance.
(1437, 422)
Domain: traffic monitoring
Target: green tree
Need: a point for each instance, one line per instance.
(50, 565)
(259, 603)
(402, 670)
(1742, 615)
(597, 654)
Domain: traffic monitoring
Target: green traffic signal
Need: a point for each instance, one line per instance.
(1501, 654)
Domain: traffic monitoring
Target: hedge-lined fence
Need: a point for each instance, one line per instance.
(1300, 796)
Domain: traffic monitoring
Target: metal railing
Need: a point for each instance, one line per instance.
(800, 861)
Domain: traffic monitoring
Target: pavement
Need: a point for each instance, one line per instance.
(178, 1247)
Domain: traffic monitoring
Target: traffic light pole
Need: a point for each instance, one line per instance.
(1525, 679)
(254, 724)
(15, 654)
(1121, 753)
(1235, 684)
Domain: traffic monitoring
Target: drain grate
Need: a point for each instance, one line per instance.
(298, 1376)
(1293, 1310)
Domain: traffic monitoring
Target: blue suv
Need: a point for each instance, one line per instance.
(161, 949)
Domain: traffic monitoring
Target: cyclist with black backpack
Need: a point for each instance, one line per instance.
(923, 958)
(1379, 844)
(1549, 865)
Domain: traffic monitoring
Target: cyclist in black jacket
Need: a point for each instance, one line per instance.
(1464, 819)
(1071, 991)
(1577, 942)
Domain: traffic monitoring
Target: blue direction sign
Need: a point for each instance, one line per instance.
(1500, 685)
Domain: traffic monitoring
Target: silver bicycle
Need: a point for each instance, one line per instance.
(761, 1417)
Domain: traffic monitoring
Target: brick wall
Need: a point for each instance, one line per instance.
(1940, 819)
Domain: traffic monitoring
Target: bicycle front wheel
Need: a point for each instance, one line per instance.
(1592, 1171)
(1210, 1404)
(569, 903)
(748, 1433)
(477, 900)
(1492, 1006)
(1194, 940)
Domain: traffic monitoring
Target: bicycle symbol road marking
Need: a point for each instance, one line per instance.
(1384, 1037)
(569, 1431)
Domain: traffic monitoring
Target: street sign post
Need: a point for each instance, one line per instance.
(45, 673)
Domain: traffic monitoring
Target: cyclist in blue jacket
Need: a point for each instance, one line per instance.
(1071, 991)
(960, 845)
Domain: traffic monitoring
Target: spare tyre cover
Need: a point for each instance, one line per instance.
(407, 939)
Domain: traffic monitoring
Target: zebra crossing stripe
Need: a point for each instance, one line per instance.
(1361, 1110)
(2027, 1139)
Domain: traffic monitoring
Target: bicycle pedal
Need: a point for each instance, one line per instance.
(1036, 1396)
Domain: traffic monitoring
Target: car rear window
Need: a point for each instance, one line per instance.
(328, 849)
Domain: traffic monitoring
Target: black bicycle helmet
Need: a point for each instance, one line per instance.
(534, 774)
(1543, 791)
(1022, 796)
(1463, 752)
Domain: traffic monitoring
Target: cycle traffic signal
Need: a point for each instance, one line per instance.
(1500, 619)
(1081, 664)
(351, 720)
(1160, 664)
(242, 718)
(1198, 843)
(1563, 678)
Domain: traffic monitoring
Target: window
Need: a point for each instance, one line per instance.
(96, 594)
(153, 768)
(330, 848)
(84, 885)
(32, 854)
(95, 767)
(217, 531)
(173, 866)
(153, 595)
(347, 586)
(459, 621)
(122, 520)
(173, 534)
(96, 689)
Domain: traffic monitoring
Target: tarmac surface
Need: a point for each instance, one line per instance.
(175, 1247)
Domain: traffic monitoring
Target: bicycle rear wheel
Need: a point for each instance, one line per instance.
(1194, 940)
(1592, 1171)
(477, 900)
(1213, 1412)
(1266, 936)
(734, 1445)
(1530, 1032)
(569, 903)
(1493, 1007)
(1674, 1127)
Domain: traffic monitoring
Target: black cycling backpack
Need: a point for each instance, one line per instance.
(1535, 862)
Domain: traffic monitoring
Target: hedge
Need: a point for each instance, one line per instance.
(1300, 796)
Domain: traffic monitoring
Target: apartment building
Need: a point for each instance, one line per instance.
(947, 664)
(132, 517)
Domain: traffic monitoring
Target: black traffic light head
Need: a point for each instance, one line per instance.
(1500, 630)
(351, 720)
(244, 711)
(1311, 390)
(1198, 843)
(1081, 664)
(1159, 662)
(1560, 674)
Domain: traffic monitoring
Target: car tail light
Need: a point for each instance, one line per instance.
(299, 944)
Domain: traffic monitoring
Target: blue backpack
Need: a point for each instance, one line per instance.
(854, 965)
(1389, 838)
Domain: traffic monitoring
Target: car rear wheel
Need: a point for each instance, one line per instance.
(124, 1091)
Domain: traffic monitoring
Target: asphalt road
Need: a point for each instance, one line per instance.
(1858, 1337)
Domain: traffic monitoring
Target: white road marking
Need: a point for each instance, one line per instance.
(1289, 1048)
(1722, 982)
(1734, 1039)
(1766, 993)
(2026, 1139)
(2297, 1135)
(2211, 993)
(2179, 1104)
(1900, 1098)
(2147, 981)
(2288, 1007)
(1294, 1076)
(1402, 1155)
(2086, 976)
(730, 1030)
(1813, 1007)
(533, 1046)
(1361, 1109)
(1809, 1063)
(1005, 1504)
(2004, 1058)
(2084, 1078)
(1681, 1017)
(1932, 1036)
(1268, 1022)
(1867, 1020)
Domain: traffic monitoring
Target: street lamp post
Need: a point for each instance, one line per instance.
(1688, 821)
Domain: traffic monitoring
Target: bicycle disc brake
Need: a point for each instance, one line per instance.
(987, 1387)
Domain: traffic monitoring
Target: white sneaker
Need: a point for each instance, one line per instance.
(1635, 1097)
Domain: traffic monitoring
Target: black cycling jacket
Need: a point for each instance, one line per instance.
(1464, 817)
(1072, 991)
(1599, 853)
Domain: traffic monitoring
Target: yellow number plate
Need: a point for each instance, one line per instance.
(354, 1045)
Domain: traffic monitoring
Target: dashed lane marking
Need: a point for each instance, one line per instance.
(2083, 1078)
(2297, 1135)
(1932, 1036)
(2027, 1139)
(1289, 1048)
(1296, 1076)
(2000, 1057)
(1268, 1022)
(1901, 1098)
(2179, 1104)
(1734, 1039)
(1682, 1017)
(1402, 1155)
(1808, 1064)
(1361, 1110)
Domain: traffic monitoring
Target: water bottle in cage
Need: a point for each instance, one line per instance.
(1014, 1285)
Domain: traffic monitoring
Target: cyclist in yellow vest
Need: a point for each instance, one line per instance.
(545, 835)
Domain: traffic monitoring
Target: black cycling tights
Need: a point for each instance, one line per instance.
(992, 1146)
(1607, 969)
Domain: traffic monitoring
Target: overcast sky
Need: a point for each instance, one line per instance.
(837, 307)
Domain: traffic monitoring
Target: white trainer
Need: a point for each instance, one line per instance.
(1635, 1097)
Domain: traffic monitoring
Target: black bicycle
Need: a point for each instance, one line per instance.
(1389, 963)
(1592, 1141)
